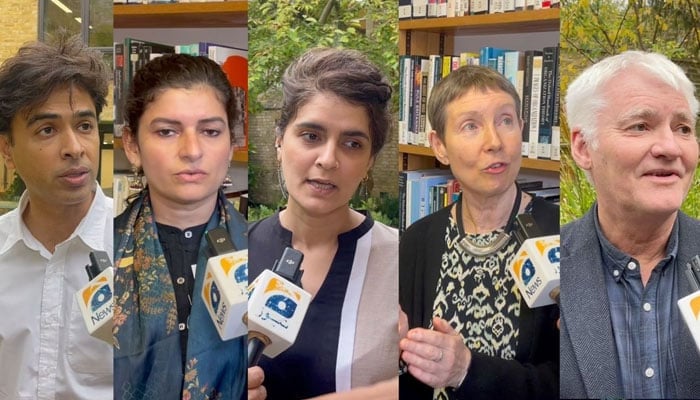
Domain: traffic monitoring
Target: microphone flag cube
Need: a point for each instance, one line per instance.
(276, 308)
(225, 292)
(690, 309)
(96, 306)
(536, 269)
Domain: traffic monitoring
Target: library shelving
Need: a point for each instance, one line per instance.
(428, 36)
(223, 14)
(226, 14)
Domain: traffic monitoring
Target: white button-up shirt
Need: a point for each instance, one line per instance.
(45, 349)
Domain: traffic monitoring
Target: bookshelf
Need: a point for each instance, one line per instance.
(427, 36)
(225, 14)
(195, 22)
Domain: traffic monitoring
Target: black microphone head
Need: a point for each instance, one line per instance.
(99, 261)
(219, 242)
(288, 266)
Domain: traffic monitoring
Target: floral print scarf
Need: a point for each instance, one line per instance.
(147, 357)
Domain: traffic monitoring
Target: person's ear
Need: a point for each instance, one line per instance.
(438, 148)
(580, 149)
(6, 150)
(131, 147)
(278, 147)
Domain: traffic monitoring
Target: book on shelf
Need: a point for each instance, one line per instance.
(550, 61)
(405, 9)
(533, 74)
(414, 193)
(132, 54)
(456, 8)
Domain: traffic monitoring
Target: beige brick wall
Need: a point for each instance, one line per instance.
(19, 20)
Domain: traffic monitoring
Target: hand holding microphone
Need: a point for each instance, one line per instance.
(535, 267)
(690, 304)
(225, 287)
(95, 298)
(276, 307)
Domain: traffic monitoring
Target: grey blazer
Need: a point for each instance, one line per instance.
(588, 362)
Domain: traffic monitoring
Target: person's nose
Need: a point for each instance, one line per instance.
(667, 143)
(327, 158)
(189, 146)
(72, 145)
(492, 139)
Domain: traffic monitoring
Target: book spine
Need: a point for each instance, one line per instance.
(544, 149)
(535, 97)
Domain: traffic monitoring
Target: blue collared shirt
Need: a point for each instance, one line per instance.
(641, 318)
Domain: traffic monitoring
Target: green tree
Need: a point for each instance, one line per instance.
(280, 31)
(594, 29)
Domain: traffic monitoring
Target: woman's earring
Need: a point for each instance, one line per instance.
(363, 190)
(227, 182)
(135, 179)
(280, 182)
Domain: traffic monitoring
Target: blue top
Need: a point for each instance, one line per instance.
(641, 318)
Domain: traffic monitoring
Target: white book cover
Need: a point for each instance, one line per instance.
(442, 8)
(556, 143)
(508, 5)
(452, 8)
(420, 8)
(478, 6)
(535, 94)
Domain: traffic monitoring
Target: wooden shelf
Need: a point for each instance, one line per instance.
(527, 163)
(226, 14)
(416, 150)
(486, 24)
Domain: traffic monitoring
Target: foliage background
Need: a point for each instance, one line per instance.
(594, 29)
(280, 31)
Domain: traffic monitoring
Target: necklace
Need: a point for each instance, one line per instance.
(480, 250)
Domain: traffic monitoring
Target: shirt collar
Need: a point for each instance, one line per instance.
(615, 260)
(90, 229)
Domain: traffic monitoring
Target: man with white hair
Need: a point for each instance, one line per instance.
(632, 118)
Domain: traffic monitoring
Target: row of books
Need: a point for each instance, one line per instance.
(423, 192)
(534, 73)
(132, 54)
(457, 8)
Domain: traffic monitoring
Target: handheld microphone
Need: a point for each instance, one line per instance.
(95, 298)
(690, 304)
(225, 287)
(535, 267)
(276, 307)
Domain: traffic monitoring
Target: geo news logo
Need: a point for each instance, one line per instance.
(280, 305)
(695, 306)
(100, 293)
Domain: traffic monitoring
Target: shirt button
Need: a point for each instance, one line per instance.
(188, 234)
(631, 265)
(180, 280)
(181, 326)
(649, 372)
(616, 273)
(647, 307)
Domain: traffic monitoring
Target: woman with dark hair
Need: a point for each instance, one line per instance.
(334, 121)
(179, 117)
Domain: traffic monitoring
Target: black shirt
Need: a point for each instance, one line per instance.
(181, 248)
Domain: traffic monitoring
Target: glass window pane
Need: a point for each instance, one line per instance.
(101, 27)
(62, 14)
